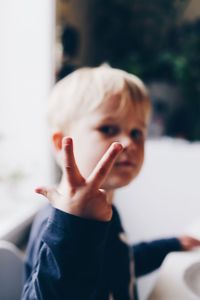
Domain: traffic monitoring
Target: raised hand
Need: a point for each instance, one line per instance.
(84, 196)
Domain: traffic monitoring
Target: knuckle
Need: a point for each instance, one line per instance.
(72, 191)
(102, 172)
(68, 168)
(113, 152)
(67, 146)
(69, 171)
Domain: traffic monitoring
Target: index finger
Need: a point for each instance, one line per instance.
(105, 164)
(71, 170)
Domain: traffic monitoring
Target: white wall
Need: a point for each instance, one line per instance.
(26, 75)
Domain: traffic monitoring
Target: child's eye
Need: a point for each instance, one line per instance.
(109, 130)
(137, 134)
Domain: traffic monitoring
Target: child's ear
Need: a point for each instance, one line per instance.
(57, 140)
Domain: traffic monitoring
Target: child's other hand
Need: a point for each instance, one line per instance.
(188, 242)
(84, 197)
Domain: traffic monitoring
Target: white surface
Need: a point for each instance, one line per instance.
(178, 277)
(192, 278)
(165, 199)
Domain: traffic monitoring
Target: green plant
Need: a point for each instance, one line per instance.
(186, 73)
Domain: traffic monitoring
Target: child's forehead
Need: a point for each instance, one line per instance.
(121, 105)
(114, 101)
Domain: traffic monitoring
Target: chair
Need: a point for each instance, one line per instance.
(11, 271)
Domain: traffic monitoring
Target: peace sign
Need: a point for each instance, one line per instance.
(84, 196)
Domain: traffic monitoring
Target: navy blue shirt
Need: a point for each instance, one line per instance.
(72, 258)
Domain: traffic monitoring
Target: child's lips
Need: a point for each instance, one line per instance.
(125, 164)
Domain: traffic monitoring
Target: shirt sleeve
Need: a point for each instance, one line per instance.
(149, 256)
(69, 259)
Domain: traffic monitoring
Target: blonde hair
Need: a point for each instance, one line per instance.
(86, 89)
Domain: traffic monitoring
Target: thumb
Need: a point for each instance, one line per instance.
(50, 193)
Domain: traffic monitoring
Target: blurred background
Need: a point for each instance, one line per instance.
(156, 40)
(43, 41)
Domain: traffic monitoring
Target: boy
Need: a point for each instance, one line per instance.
(76, 249)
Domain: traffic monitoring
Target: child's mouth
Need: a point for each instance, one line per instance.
(125, 164)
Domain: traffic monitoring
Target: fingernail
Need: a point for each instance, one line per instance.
(67, 141)
(117, 146)
(38, 190)
(41, 191)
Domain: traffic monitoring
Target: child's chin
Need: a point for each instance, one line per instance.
(115, 183)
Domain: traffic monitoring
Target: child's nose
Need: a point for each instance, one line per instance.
(127, 142)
